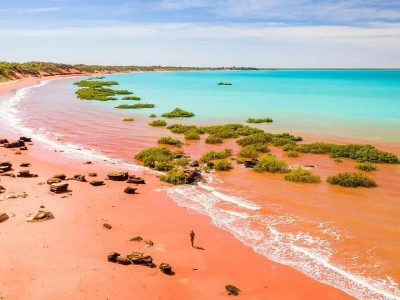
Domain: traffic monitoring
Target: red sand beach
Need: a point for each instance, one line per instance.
(66, 257)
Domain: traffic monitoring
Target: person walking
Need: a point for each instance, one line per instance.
(192, 235)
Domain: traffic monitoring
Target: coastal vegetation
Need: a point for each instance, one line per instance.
(260, 120)
(93, 84)
(292, 153)
(269, 163)
(301, 175)
(178, 113)
(136, 98)
(224, 83)
(159, 158)
(158, 123)
(348, 179)
(213, 139)
(96, 90)
(192, 135)
(214, 155)
(167, 140)
(222, 165)
(366, 166)
(152, 115)
(135, 106)
(128, 119)
(249, 152)
(174, 176)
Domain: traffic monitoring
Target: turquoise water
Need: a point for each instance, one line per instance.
(350, 103)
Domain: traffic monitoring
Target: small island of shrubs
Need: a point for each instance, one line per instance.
(366, 166)
(222, 165)
(135, 106)
(158, 158)
(214, 155)
(167, 140)
(95, 90)
(224, 83)
(348, 179)
(260, 120)
(158, 123)
(178, 113)
(301, 175)
(269, 163)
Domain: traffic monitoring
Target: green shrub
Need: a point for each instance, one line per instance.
(167, 140)
(192, 135)
(222, 165)
(136, 98)
(95, 83)
(257, 138)
(100, 94)
(348, 179)
(366, 166)
(153, 155)
(152, 115)
(178, 113)
(164, 166)
(292, 153)
(182, 161)
(157, 123)
(269, 163)
(212, 155)
(213, 139)
(229, 130)
(135, 106)
(248, 152)
(179, 128)
(174, 176)
(301, 175)
(261, 120)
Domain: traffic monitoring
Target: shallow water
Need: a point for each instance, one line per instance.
(349, 239)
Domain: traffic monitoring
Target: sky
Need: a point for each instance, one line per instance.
(253, 33)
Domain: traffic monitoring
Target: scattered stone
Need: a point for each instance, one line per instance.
(41, 216)
(107, 226)
(88, 163)
(192, 176)
(232, 290)
(8, 174)
(136, 239)
(139, 258)
(149, 243)
(25, 164)
(25, 139)
(166, 268)
(3, 141)
(92, 174)
(2, 189)
(3, 217)
(5, 166)
(118, 176)
(195, 164)
(123, 260)
(26, 174)
(80, 177)
(130, 190)
(23, 148)
(59, 188)
(97, 182)
(60, 176)
(14, 144)
(135, 179)
(250, 163)
(53, 180)
(18, 153)
(113, 256)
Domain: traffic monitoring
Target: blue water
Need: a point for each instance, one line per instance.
(349, 103)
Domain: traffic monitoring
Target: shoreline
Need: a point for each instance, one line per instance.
(278, 278)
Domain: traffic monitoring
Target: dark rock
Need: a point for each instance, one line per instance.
(14, 144)
(194, 164)
(26, 174)
(3, 141)
(25, 139)
(139, 258)
(123, 260)
(88, 163)
(92, 174)
(113, 256)
(130, 190)
(107, 226)
(210, 164)
(41, 216)
(3, 217)
(251, 163)
(232, 290)
(135, 179)
(118, 176)
(136, 239)
(8, 174)
(25, 164)
(18, 153)
(192, 176)
(23, 148)
(59, 187)
(60, 176)
(5, 166)
(2, 189)
(166, 268)
(97, 182)
(53, 180)
(80, 178)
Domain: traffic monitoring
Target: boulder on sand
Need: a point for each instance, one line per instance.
(53, 180)
(195, 164)
(97, 182)
(59, 188)
(113, 256)
(166, 268)
(25, 139)
(79, 177)
(3, 141)
(60, 176)
(3, 217)
(2, 189)
(123, 260)
(92, 174)
(41, 216)
(130, 190)
(118, 176)
(5, 166)
(14, 144)
(232, 290)
(139, 258)
(107, 226)
(25, 164)
(250, 163)
(23, 148)
(192, 176)
(135, 179)
(26, 174)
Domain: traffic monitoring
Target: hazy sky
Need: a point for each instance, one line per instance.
(259, 33)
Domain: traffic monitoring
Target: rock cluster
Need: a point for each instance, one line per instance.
(118, 176)
(53, 180)
(3, 141)
(251, 163)
(135, 179)
(26, 174)
(60, 176)
(136, 258)
(15, 144)
(192, 176)
(41, 216)
(130, 190)
(79, 177)
(59, 188)
(25, 139)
